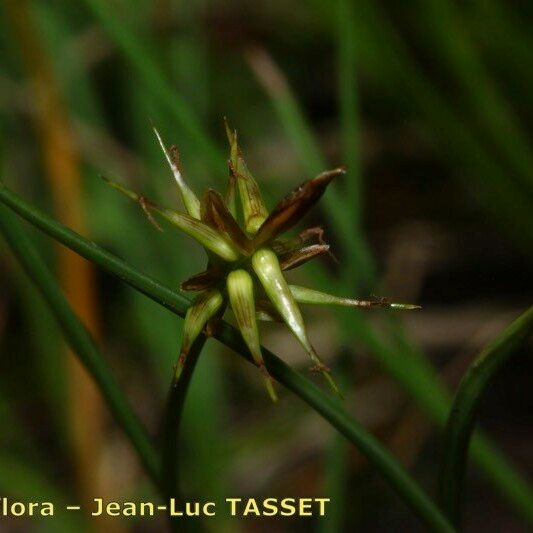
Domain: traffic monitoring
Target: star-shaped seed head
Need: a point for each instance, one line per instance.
(247, 256)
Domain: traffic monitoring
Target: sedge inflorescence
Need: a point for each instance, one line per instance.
(247, 256)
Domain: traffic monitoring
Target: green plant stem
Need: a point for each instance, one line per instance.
(156, 291)
(84, 346)
(172, 422)
(462, 416)
(170, 459)
(80, 341)
(330, 409)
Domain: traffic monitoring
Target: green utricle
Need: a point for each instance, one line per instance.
(204, 307)
(241, 296)
(266, 266)
(204, 234)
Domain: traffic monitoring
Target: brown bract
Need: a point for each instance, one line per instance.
(296, 258)
(219, 216)
(203, 280)
(294, 206)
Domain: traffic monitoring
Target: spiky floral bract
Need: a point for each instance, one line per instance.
(248, 255)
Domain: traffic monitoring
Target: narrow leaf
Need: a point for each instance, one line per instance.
(195, 228)
(241, 296)
(295, 205)
(310, 296)
(190, 201)
(268, 270)
(204, 307)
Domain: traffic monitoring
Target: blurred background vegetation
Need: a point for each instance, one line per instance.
(428, 102)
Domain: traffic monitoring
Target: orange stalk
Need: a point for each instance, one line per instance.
(62, 169)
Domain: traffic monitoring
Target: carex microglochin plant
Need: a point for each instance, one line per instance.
(247, 255)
